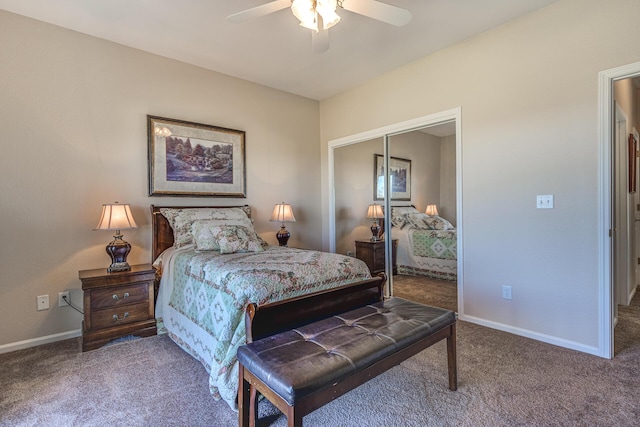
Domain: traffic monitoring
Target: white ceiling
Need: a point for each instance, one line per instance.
(273, 50)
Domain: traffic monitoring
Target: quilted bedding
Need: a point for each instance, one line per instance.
(430, 253)
(202, 298)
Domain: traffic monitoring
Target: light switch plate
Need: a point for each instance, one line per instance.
(544, 201)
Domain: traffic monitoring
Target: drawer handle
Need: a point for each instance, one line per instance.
(124, 296)
(120, 319)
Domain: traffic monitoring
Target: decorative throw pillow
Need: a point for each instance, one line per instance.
(438, 223)
(418, 220)
(229, 239)
(205, 232)
(181, 220)
(398, 215)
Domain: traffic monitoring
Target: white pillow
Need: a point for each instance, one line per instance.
(181, 220)
(205, 238)
(398, 215)
(227, 238)
(428, 222)
(418, 220)
(438, 223)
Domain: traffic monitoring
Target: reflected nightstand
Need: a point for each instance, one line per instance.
(372, 253)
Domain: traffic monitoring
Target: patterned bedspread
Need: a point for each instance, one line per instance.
(431, 253)
(441, 244)
(202, 298)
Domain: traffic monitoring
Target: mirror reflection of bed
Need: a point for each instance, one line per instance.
(426, 257)
(428, 276)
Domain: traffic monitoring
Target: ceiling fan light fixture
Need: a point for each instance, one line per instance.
(307, 12)
(327, 9)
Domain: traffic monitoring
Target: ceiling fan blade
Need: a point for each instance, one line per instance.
(380, 11)
(258, 11)
(320, 41)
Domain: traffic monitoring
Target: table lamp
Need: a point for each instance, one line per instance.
(375, 212)
(432, 210)
(117, 217)
(283, 213)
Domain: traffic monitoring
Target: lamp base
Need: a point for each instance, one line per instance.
(118, 250)
(119, 266)
(375, 231)
(283, 236)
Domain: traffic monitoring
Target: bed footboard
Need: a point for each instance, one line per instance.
(269, 319)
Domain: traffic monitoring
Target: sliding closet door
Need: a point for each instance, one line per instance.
(353, 194)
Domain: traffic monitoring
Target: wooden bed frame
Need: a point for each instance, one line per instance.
(322, 303)
(162, 234)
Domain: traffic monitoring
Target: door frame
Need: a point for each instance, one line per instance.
(606, 121)
(452, 115)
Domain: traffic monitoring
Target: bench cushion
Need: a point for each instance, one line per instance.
(297, 363)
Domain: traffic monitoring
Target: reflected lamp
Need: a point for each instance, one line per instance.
(375, 212)
(432, 210)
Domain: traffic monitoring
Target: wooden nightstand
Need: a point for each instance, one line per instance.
(372, 253)
(117, 304)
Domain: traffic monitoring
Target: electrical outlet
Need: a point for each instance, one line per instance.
(506, 292)
(42, 302)
(61, 297)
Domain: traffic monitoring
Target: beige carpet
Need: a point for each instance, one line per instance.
(505, 380)
(433, 292)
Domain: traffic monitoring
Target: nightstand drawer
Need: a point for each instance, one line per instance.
(373, 254)
(117, 296)
(378, 257)
(119, 315)
(117, 304)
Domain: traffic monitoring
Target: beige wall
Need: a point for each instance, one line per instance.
(73, 118)
(528, 95)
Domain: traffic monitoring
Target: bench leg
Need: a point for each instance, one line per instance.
(244, 401)
(294, 419)
(452, 359)
(253, 407)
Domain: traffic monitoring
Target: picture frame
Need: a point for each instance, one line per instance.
(194, 159)
(400, 174)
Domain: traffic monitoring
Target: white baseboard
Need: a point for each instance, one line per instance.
(560, 342)
(20, 345)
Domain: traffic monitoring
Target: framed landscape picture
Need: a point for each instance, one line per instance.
(399, 173)
(194, 159)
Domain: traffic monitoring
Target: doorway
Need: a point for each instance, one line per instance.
(381, 138)
(611, 255)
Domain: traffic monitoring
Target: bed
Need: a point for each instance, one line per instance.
(427, 244)
(211, 264)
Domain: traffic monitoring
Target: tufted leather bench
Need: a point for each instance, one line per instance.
(301, 369)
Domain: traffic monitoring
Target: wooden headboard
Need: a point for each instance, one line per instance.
(162, 234)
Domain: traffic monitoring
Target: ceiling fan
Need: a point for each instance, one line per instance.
(320, 15)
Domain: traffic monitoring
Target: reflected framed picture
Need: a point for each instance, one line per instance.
(195, 159)
(399, 174)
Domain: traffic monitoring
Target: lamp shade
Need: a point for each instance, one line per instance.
(282, 212)
(375, 211)
(431, 210)
(116, 217)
